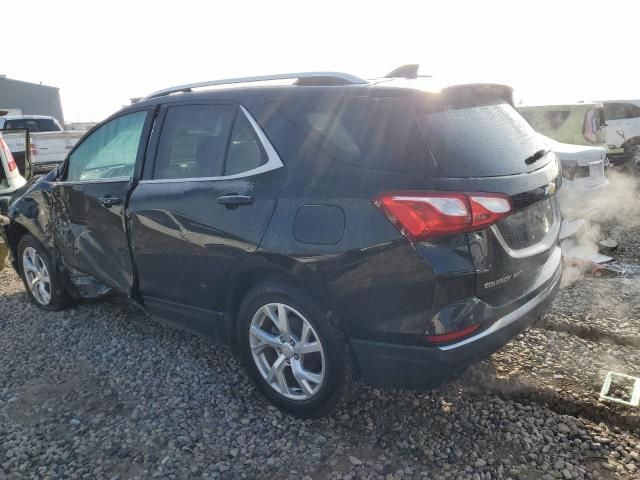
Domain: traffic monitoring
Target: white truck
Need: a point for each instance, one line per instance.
(49, 144)
(623, 132)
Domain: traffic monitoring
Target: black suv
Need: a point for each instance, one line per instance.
(328, 229)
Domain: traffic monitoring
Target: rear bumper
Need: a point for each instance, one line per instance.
(411, 367)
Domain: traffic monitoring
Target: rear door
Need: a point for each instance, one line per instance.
(89, 202)
(202, 207)
(482, 144)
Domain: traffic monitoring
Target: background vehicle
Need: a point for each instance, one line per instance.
(623, 132)
(328, 228)
(584, 180)
(10, 181)
(49, 145)
(575, 124)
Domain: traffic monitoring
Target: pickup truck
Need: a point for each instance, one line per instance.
(49, 143)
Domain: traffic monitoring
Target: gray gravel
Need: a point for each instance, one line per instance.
(605, 310)
(101, 391)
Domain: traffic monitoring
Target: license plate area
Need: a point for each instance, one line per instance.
(530, 225)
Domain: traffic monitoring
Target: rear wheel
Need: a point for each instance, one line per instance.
(292, 351)
(39, 275)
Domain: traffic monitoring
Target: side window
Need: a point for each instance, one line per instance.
(193, 141)
(110, 151)
(245, 151)
(614, 111)
(619, 111)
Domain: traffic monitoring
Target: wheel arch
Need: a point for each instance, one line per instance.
(631, 142)
(17, 230)
(260, 268)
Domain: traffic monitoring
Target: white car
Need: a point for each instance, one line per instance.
(623, 130)
(10, 181)
(584, 180)
(10, 178)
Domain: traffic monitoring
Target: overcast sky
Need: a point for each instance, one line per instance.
(101, 53)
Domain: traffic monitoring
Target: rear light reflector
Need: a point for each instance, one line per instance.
(422, 215)
(11, 164)
(452, 336)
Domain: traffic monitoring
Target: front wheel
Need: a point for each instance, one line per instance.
(39, 276)
(292, 351)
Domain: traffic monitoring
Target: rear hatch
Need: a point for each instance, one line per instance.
(482, 144)
(479, 154)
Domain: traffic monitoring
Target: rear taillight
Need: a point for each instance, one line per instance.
(11, 164)
(34, 149)
(423, 215)
(589, 129)
(452, 336)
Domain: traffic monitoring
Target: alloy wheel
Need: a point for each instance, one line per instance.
(287, 351)
(36, 275)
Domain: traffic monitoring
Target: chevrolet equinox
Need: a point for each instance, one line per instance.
(328, 228)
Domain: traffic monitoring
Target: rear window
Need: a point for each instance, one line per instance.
(478, 135)
(34, 124)
(372, 133)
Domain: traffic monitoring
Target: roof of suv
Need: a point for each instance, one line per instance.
(235, 89)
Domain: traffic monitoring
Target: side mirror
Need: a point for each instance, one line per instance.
(60, 170)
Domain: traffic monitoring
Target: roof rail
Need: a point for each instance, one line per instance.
(345, 77)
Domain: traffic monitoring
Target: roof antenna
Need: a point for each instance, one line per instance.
(405, 71)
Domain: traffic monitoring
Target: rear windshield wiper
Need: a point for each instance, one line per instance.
(537, 156)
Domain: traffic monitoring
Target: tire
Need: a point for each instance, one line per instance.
(323, 377)
(40, 277)
(633, 163)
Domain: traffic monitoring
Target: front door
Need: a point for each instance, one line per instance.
(90, 201)
(203, 208)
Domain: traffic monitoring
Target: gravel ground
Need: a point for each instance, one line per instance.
(603, 310)
(101, 391)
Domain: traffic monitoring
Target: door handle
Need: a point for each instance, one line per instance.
(234, 200)
(109, 201)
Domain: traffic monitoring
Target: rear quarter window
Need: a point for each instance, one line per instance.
(378, 133)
